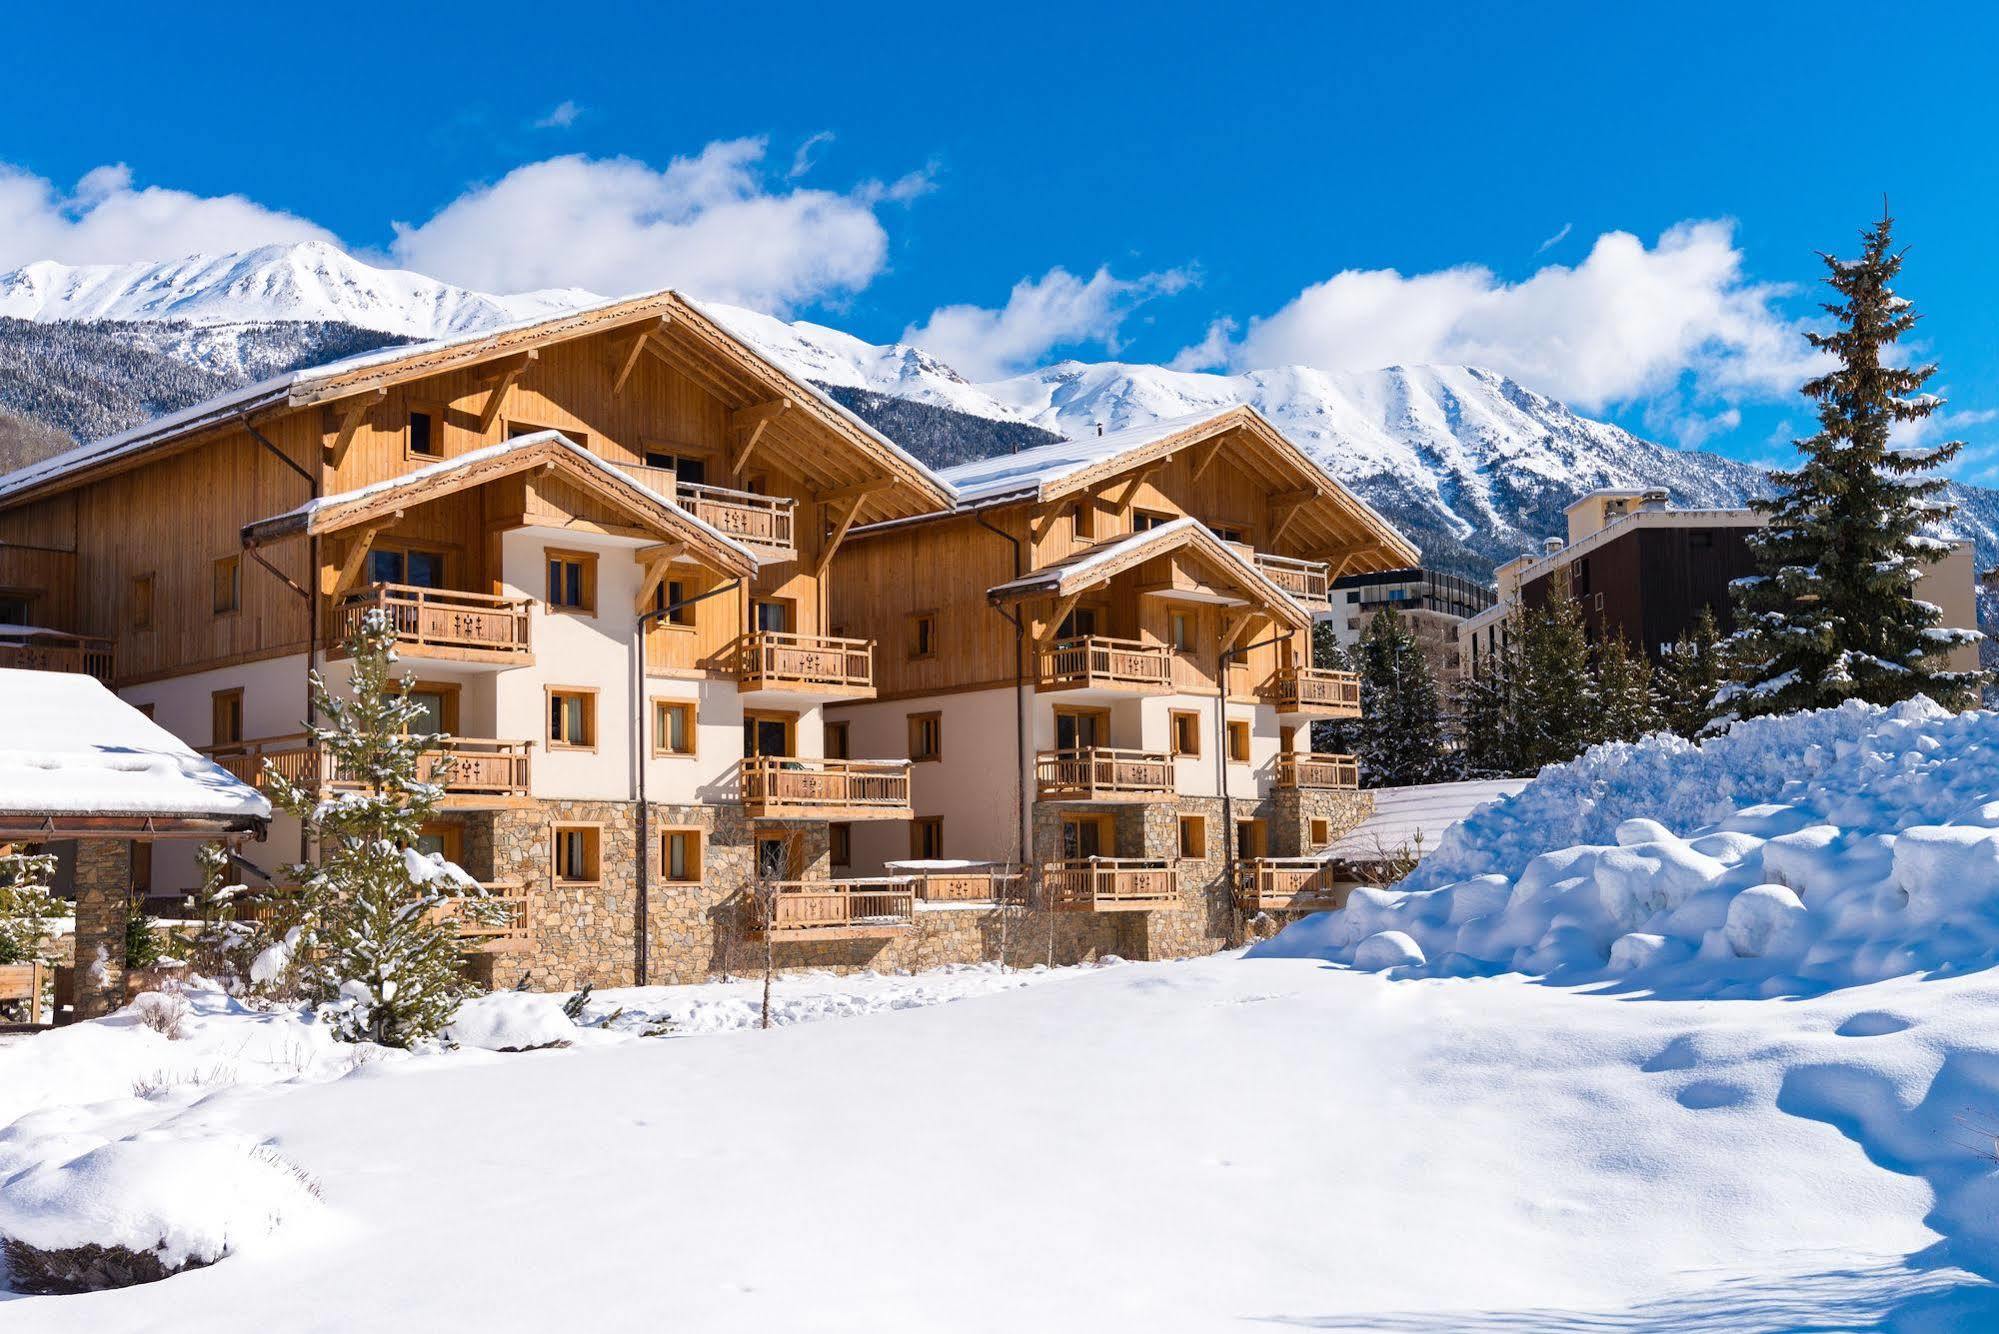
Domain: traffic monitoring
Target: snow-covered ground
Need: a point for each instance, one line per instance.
(1765, 1117)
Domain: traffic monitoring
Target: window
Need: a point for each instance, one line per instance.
(142, 868)
(672, 727)
(422, 438)
(1086, 836)
(923, 635)
(686, 468)
(680, 855)
(1180, 626)
(445, 840)
(773, 857)
(840, 844)
(926, 736)
(836, 745)
(1249, 838)
(406, 565)
(1078, 623)
(438, 705)
(16, 608)
(767, 733)
(572, 581)
(1186, 732)
(572, 719)
(139, 603)
(576, 853)
(1144, 521)
(1238, 741)
(225, 714)
(926, 839)
(1079, 729)
(1227, 534)
(773, 615)
(1322, 833)
(1083, 519)
(672, 593)
(225, 585)
(1193, 837)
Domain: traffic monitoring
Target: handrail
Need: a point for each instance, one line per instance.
(776, 657)
(35, 649)
(780, 781)
(798, 906)
(1099, 660)
(1095, 883)
(744, 515)
(1307, 579)
(971, 884)
(1285, 884)
(1090, 770)
(1317, 769)
(1315, 687)
(440, 617)
(473, 765)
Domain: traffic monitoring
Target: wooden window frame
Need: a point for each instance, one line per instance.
(446, 558)
(1106, 826)
(681, 619)
(1259, 841)
(1174, 620)
(1320, 831)
(140, 595)
(922, 635)
(790, 721)
(593, 847)
(434, 411)
(1151, 519)
(550, 694)
(697, 840)
(762, 834)
(1100, 714)
(1192, 718)
(661, 705)
(450, 834)
(652, 446)
(916, 722)
(586, 580)
(1198, 825)
(216, 700)
(1083, 520)
(790, 606)
(934, 825)
(233, 563)
(447, 693)
(1242, 740)
(842, 729)
(840, 843)
(27, 597)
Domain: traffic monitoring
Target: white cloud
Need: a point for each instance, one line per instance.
(1628, 323)
(1556, 239)
(560, 117)
(709, 224)
(105, 220)
(802, 159)
(1055, 310)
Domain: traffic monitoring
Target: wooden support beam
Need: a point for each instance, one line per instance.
(1284, 508)
(749, 423)
(1209, 454)
(356, 555)
(501, 377)
(839, 533)
(1053, 630)
(1045, 525)
(345, 418)
(1232, 629)
(656, 562)
(628, 358)
(858, 491)
(1138, 479)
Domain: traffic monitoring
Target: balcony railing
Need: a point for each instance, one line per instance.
(473, 770)
(1315, 690)
(496, 923)
(762, 523)
(1097, 663)
(1297, 769)
(441, 622)
(1305, 580)
(777, 786)
(34, 649)
(964, 884)
(1098, 773)
(1110, 884)
(809, 664)
(1286, 884)
(828, 909)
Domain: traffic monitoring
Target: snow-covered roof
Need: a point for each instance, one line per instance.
(1032, 469)
(1402, 814)
(69, 747)
(1092, 565)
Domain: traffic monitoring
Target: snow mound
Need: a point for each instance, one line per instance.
(1809, 851)
(511, 1021)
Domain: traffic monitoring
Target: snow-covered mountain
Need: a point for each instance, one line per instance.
(307, 281)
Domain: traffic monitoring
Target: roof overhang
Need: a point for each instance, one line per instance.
(139, 826)
(544, 451)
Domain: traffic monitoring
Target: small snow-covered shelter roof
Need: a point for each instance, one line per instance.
(1238, 580)
(549, 450)
(1328, 515)
(77, 761)
(1402, 815)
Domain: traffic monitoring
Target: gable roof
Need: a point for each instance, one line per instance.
(1093, 566)
(1067, 467)
(75, 758)
(543, 449)
(678, 329)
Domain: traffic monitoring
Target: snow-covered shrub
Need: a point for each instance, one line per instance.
(26, 906)
(512, 1021)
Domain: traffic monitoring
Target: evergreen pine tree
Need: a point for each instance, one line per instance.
(1553, 698)
(1400, 733)
(1834, 613)
(1332, 736)
(382, 961)
(1484, 726)
(27, 909)
(1690, 673)
(1624, 707)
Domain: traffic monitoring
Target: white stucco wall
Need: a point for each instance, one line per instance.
(972, 787)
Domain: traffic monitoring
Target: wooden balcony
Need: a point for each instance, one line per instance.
(1306, 581)
(1110, 884)
(834, 909)
(780, 787)
(442, 623)
(1099, 773)
(499, 922)
(476, 773)
(807, 665)
(34, 649)
(964, 884)
(1286, 884)
(1297, 769)
(1315, 691)
(1097, 663)
(761, 523)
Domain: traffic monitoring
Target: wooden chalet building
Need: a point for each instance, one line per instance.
(514, 502)
(1098, 662)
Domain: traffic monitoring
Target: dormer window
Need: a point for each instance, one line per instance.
(425, 440)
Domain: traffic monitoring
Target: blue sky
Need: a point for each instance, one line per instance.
(1617, 204)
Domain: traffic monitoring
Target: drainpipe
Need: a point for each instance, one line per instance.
(1020, 821)
(642, 851)
(1234, 864)
(309, 593)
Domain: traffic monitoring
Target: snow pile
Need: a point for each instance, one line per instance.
(511, 1021)
(1801, 852)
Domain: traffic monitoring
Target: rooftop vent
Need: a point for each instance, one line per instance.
(1653, 500)
(1550, 545)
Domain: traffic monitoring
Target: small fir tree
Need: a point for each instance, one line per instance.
(1400, 735)
(26, 906)
(1834, 613)
(382, 959)
(1485, 723)
(1624, 708)
(1553, 699)
(1691, 672)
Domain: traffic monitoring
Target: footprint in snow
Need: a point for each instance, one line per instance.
(1706, 1094)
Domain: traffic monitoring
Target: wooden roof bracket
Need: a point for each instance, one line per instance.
(750, 422)
(501, 377)
(626, 360)
(1053, 629)
(1208, 456)
(657, 561)
(344, 420)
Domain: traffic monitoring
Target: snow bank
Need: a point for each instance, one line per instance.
(511, 1021)
(1803, 852)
